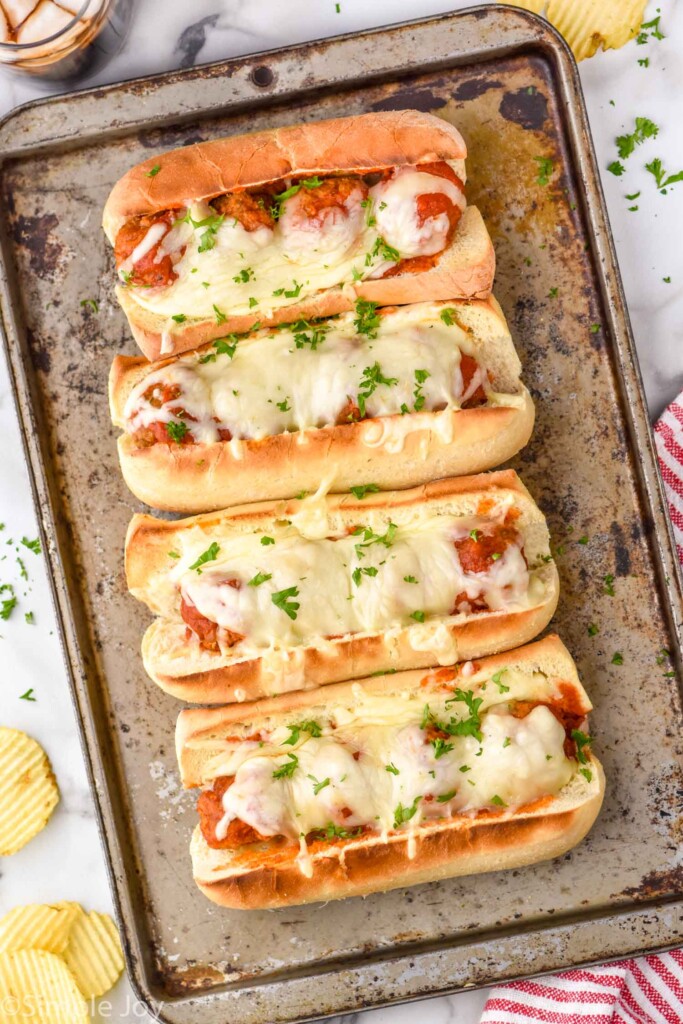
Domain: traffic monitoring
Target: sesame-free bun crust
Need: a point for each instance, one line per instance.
(464, 270)
(183, 669)
(198, 478)
(268, 875)
(350, 144)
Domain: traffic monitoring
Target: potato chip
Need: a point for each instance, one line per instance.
(535, 6)
(37, 986)
(94, 954)
(28, 790)
(38, 926)
(588, 25)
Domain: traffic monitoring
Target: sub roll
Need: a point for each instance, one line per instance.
(390, 397)
(391, 781)
(284, 595)
(294, 223)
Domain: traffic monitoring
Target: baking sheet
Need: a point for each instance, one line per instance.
(509, 83)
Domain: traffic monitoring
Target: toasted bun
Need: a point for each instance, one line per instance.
(463, 845)
(208, 169)
(187, 672)
(170, 477)
(464, 271)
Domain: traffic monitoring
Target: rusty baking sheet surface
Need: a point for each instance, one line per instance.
(509, 84)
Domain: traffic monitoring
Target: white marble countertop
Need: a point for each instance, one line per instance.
(66, 861)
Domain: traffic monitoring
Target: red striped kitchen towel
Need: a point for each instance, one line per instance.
(644, 991)
(648, 990)
(669, 442)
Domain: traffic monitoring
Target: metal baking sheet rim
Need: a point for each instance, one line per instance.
(641, 929)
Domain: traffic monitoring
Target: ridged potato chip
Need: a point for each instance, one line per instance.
(38, 926)
(588, 25)
(535, 6)
(94, 954)
(28, 790)
(38, 986)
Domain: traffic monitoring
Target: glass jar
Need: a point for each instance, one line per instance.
(57, 41)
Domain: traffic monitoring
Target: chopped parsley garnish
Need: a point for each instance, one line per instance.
(286, 770)
(359, 572)
(384, 251)
(22, 568)
(362, 489)
(403, 814)
(448, 316)
(594, 328)
(259, 578)
(293, 292)
(633, 196)
(28, 695)
(587, 774)
(662, 179)
(593, 630)
(28, 617)
(498, 801)
(220, 316)
(333, 831)
(655, 31)
(372, 378)
(662, 656)
(409, 579)
(391, 767)
(496, 678)
(315, 338)
(179, 318)
(666, 280)
(581, 740)
(7, 605)
(317, 786)
(253, 302)
(583, 540)
(464, 727)
(210, 555)
(420, 378)
(475, 535)
(246, 274)
(176, 431)
(367, 320)
(644, 129)
(173, 554)
(32, 545)
(617, 658)
(282, 600)
(267, 540)
(369, 537)
(609, 585)
(152, 173)
(91, 304)
(223, 347)
(310, 726)
(545, 169)
(282, 197)
(616, 168)
(506, 742)
(418, 616)
(284, 405)
(445, 797)
(552, 294)
(441, 747)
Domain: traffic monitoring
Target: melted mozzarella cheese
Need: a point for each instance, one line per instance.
(253, 272)
(271, 386)
(344, 586)
(334, 231)
(397, 215)
(386, 774)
